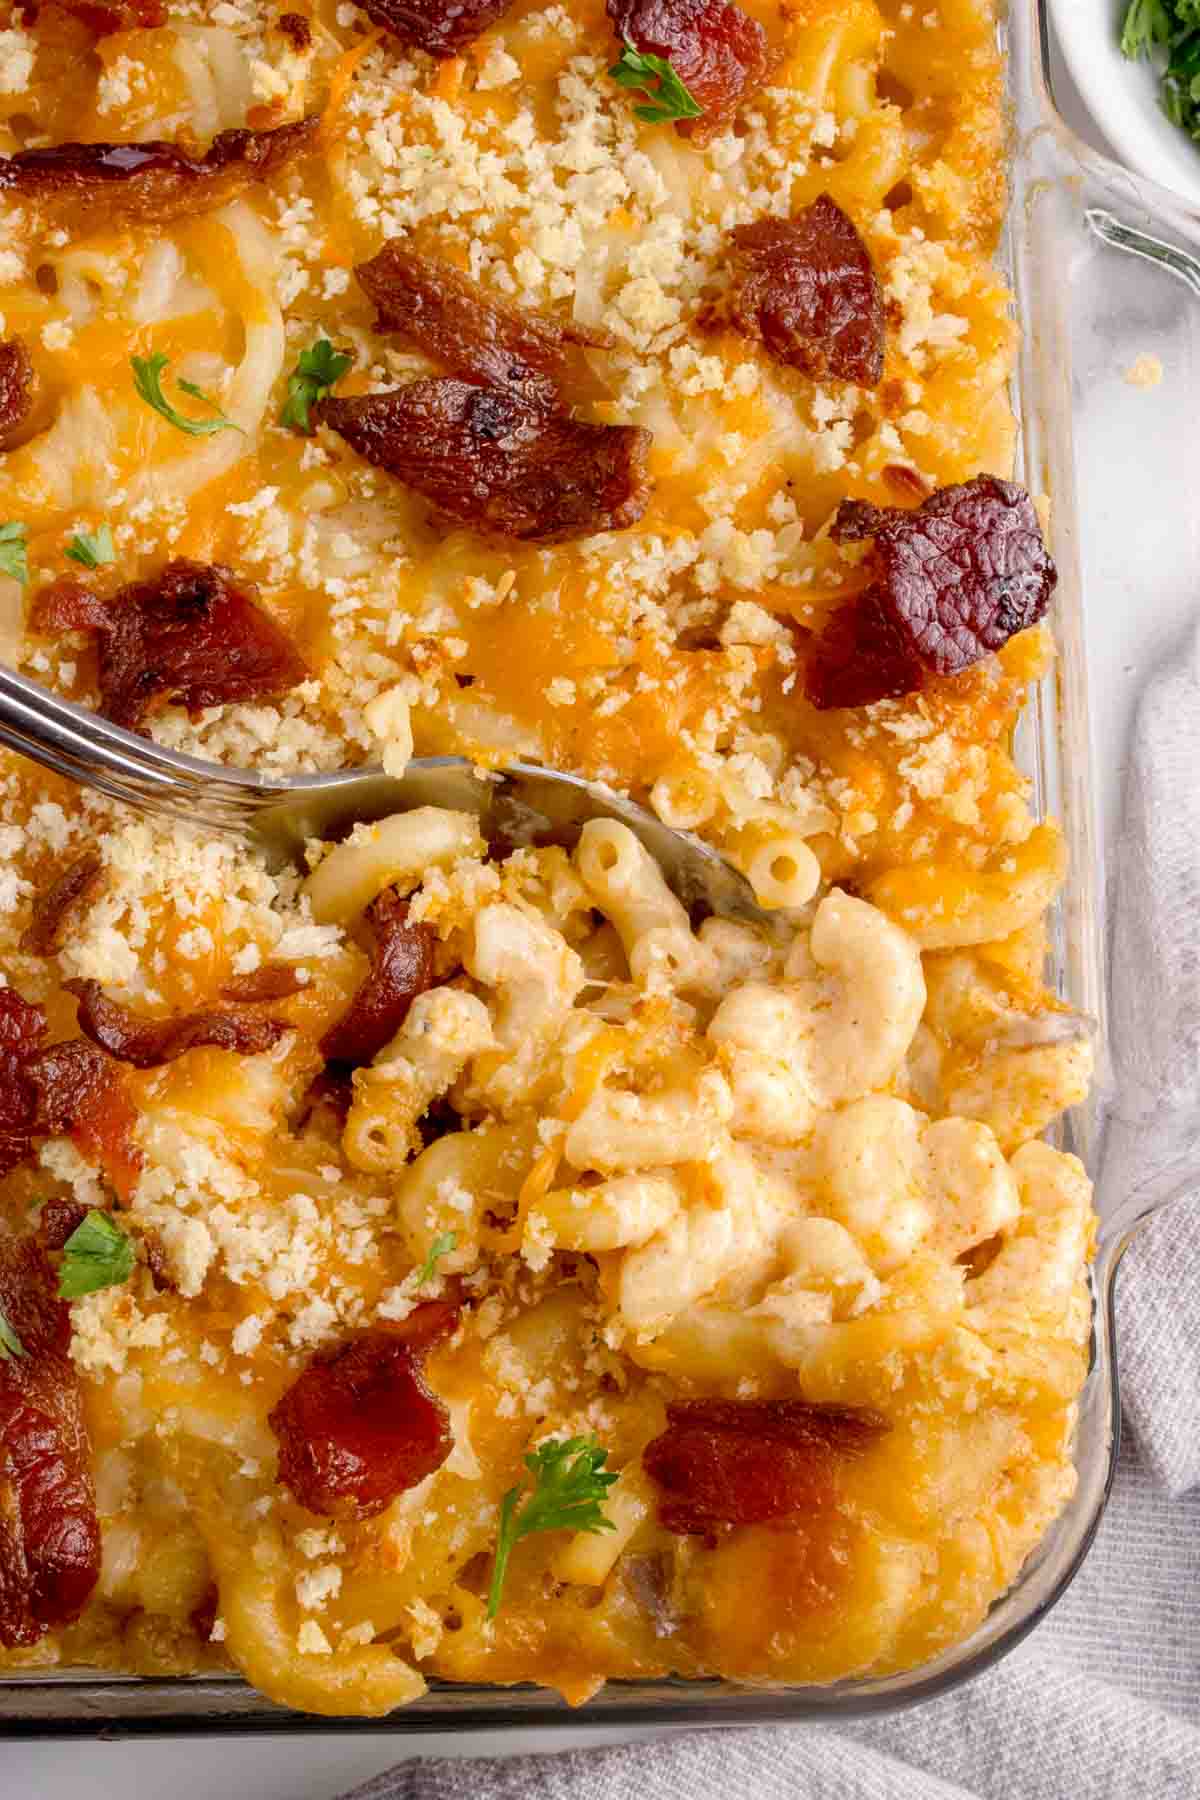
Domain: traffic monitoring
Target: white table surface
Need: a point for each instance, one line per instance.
(1140, 581)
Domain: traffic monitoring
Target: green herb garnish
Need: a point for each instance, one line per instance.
(1168, 31)
(315, 373)
(92, 548)
(10, 1343)
(440, 1247)
(147, 379)
(12, 551)
(569, 1484)
(96, 1255)
(666, 96)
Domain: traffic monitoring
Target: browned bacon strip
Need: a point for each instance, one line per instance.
(109, 186)
(49, 1532)
(22, 1031)
(106, 16)
(273, 981)
(401, 968)
(54, 910)
(449, 317)
(191, 636)
(488, 459)
(18, 387)
(951, 580)
(745, 1462)
(720, 54)
(442, 27)
(81, 1092)
(807, 287)
(360, 1425)
(147, 1043)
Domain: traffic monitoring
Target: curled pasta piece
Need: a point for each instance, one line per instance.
(627, 885)
(975, 1192)
(945, 907)
(732, 1241)
(534, 976)
(1038, 1267)
(619, 1131)
(781, 868)
(588, 1557)
(444, 1029)
(254, 1583)
(614, 1215)
(395, 852)
(1018, 1092)
(839, 1027)
(875, 1177)
(454, 1181)
(827, 1276)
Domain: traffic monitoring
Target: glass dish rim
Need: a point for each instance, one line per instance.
(1053, 742)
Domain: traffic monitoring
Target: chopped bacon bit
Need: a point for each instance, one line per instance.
(442, 27)
(59, 1218)
(401, 968)
(191, 636)
(112, 186)
(147, 1043)
(454, 321)
(951, 579)
(296, 29)
(719, 53)
(273, 981)
(106, 16)
(80, 1091)
(488, 459)
(807, 287)
(54, 910)
(22, 1030)
(360, 1426)
(18, 388)
(746, 1462)
(49, 1532)
(156, 1262)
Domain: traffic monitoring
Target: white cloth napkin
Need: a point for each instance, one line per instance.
(1102, 1702)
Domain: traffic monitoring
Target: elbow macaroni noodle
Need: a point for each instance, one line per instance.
(651, 1158)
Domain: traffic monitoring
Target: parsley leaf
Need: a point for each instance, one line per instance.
(92, 548)
(10, 1343)
(1168, 31)
(147, 379)
(12, 551)
(440, 1247)
(96, 1255)
(654, 77)
(569, 1483)
(315, 373)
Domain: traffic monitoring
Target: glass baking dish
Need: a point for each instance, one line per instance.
(1054, 178)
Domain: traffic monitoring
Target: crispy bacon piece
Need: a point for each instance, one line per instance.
(191, 636)
(18, 388)
(81, 1092)
(719, 53)
(360, 1426)
(273, 981)
(401, 968)
(70, 1087)
(807, 287)
(488, 459)
(49, 1532)
(54, 910)
(106, 16)
(83, 186)
(147, 1043)
(449, 317)
(58, 1219)
(951, 580)
(22, 1030)
(747, 1462)
(442, 27)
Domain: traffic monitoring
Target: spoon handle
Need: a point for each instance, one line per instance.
(1119, 236)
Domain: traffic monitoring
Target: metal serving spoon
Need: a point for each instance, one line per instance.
(522, 804)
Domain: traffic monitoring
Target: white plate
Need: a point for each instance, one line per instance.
(1123, 96)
